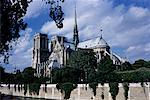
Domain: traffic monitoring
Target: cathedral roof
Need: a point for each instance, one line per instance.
(93, 43)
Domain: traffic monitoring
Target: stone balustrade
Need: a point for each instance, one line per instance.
(83, 92)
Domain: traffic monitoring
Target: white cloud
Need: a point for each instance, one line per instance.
(147, 47)
(138, 12)
(84, 17)
(36, 7)
(122, 26)
(23, 42)
(22, 52)
(139, 51)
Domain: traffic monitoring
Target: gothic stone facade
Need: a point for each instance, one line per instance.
(47, 55)
(55, 53)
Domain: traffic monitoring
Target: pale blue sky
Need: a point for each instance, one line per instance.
(125, 23)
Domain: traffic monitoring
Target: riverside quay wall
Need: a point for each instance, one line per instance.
(84, 92)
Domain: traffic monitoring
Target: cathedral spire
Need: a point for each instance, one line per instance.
(101, 30)
(75, 31)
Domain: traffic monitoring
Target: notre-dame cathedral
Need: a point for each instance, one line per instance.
(55, 53)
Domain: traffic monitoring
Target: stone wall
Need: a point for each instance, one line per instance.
(83, 92)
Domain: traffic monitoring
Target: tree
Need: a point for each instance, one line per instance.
(93, 85)
(34, 87)
(104, 68)
(126, 66)
(114, 89)
(12, 12)
(140, 63)
(9, 78)
(138, 75)
(18, 77)
(66, 88)
(126, 89)
(106, 65)
(148, 64)
(28, 75)
(11, 20)
(56, 12)
(85, 61)
(66, 74)
(2, 74)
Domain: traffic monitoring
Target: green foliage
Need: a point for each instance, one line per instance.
(93, 85)
(25, 88)
(12, 13)
(2, 74)
(104, 69)
(126, 89)
(15, 87)
(66, 88)
(148, 64)
(82, 59)
(19, 87)
(81, 66)
(139, 75)
(56, 12)
(66, 74)
(85, 61)
(45, 88)
(141, 63)
(34, 88)
(106, 65)
(9, 78)
(126, 66)
(92, 77)
(28, 75)
(114, 89)
(113, 77)
(18, 77)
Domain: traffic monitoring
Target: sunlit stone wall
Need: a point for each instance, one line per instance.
(83, 92)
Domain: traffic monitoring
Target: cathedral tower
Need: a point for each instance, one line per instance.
(40, 49)
(75, 31)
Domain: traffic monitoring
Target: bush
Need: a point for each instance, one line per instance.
(114, 89)
(66, 88)
(93, 85)
(126, 89)
(34, 88)
(25, 88)
(139, 75)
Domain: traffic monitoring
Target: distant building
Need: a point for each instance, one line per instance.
(55, 53)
